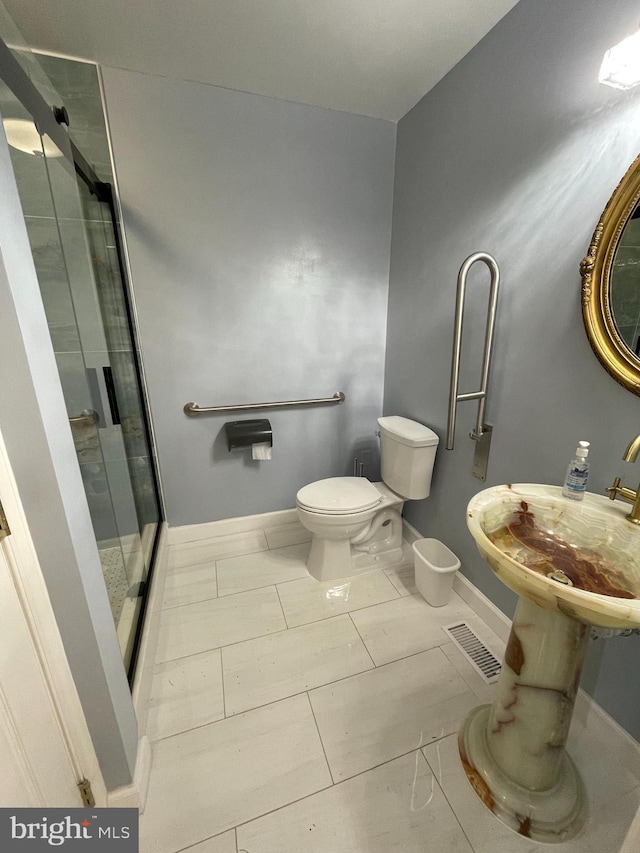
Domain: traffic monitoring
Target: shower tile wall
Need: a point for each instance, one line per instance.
(77, 83)
(77, 330)
(67, 312)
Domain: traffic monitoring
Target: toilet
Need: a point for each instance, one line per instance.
(357, 524)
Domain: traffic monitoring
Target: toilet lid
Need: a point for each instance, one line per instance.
(339, 495)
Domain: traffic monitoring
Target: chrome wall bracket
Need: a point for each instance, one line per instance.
(481, 455)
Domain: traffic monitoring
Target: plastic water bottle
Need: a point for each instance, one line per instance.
(575, 481)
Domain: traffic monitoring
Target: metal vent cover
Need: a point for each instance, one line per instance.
(472, 647)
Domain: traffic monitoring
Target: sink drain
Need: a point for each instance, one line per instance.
(560, 577)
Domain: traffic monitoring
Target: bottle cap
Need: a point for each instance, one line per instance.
(583, 449)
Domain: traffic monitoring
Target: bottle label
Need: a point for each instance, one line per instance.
(577, 480)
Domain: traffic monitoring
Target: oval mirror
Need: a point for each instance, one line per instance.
(611, 283)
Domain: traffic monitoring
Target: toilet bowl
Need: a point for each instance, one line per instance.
(356, 525)
(357, 530)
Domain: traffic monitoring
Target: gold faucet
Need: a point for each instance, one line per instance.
(628, 495)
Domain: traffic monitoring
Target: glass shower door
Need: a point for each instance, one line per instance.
(123, 383)
(85, 303)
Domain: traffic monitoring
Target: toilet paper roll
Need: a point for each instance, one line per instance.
(261, 450)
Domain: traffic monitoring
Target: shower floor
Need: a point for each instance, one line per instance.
(122, 592)
(115, 577)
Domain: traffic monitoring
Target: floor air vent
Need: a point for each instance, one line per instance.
(475, 650)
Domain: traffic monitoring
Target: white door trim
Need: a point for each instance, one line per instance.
(18, 552)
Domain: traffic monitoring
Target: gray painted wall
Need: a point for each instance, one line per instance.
(515, 152)
(258, 234)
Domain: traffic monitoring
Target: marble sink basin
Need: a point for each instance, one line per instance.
(581, 558)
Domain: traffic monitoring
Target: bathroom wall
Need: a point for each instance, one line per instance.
(258, 233)
(515, 152)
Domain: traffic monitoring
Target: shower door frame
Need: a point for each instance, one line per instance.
(48, 120)
(103, 191)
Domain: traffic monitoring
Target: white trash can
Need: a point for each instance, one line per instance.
(435, 567)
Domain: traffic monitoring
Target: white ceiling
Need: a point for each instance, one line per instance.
(373, 57)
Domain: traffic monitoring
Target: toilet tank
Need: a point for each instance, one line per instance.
(407, 454)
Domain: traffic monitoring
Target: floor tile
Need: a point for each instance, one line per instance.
(591, 725)
(396, 808)
(290, 534)
(307, 600)
(211, 779)
(225, 843)
(605, 828)
(185, 693)
(201, 551)
(605, 777)
(408, 625)
(371, 718)
(251, 571)
(483, 691)
(206, 625)
(269, 668)
(186, 584)
(265, 770)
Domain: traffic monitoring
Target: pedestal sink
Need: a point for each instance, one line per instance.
(573, 565)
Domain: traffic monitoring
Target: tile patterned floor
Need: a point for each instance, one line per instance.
(288, 715)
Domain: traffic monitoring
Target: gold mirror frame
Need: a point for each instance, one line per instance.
(614, 354)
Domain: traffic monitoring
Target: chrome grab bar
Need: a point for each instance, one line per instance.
(481, 395)
(193, 409)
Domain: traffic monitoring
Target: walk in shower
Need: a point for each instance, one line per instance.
(65, 186)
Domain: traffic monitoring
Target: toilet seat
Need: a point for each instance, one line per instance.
(339, 496)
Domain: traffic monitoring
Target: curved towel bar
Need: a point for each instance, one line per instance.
(193, 409)
(481, 395)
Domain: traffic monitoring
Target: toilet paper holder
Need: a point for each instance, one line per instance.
(242, 434)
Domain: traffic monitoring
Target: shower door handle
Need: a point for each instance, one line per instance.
(97, 395)
(111, 394)
(87, 417)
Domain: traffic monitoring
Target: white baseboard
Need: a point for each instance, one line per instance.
(483, 606)
(409, 532)
(230, 526)
(587, 711)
